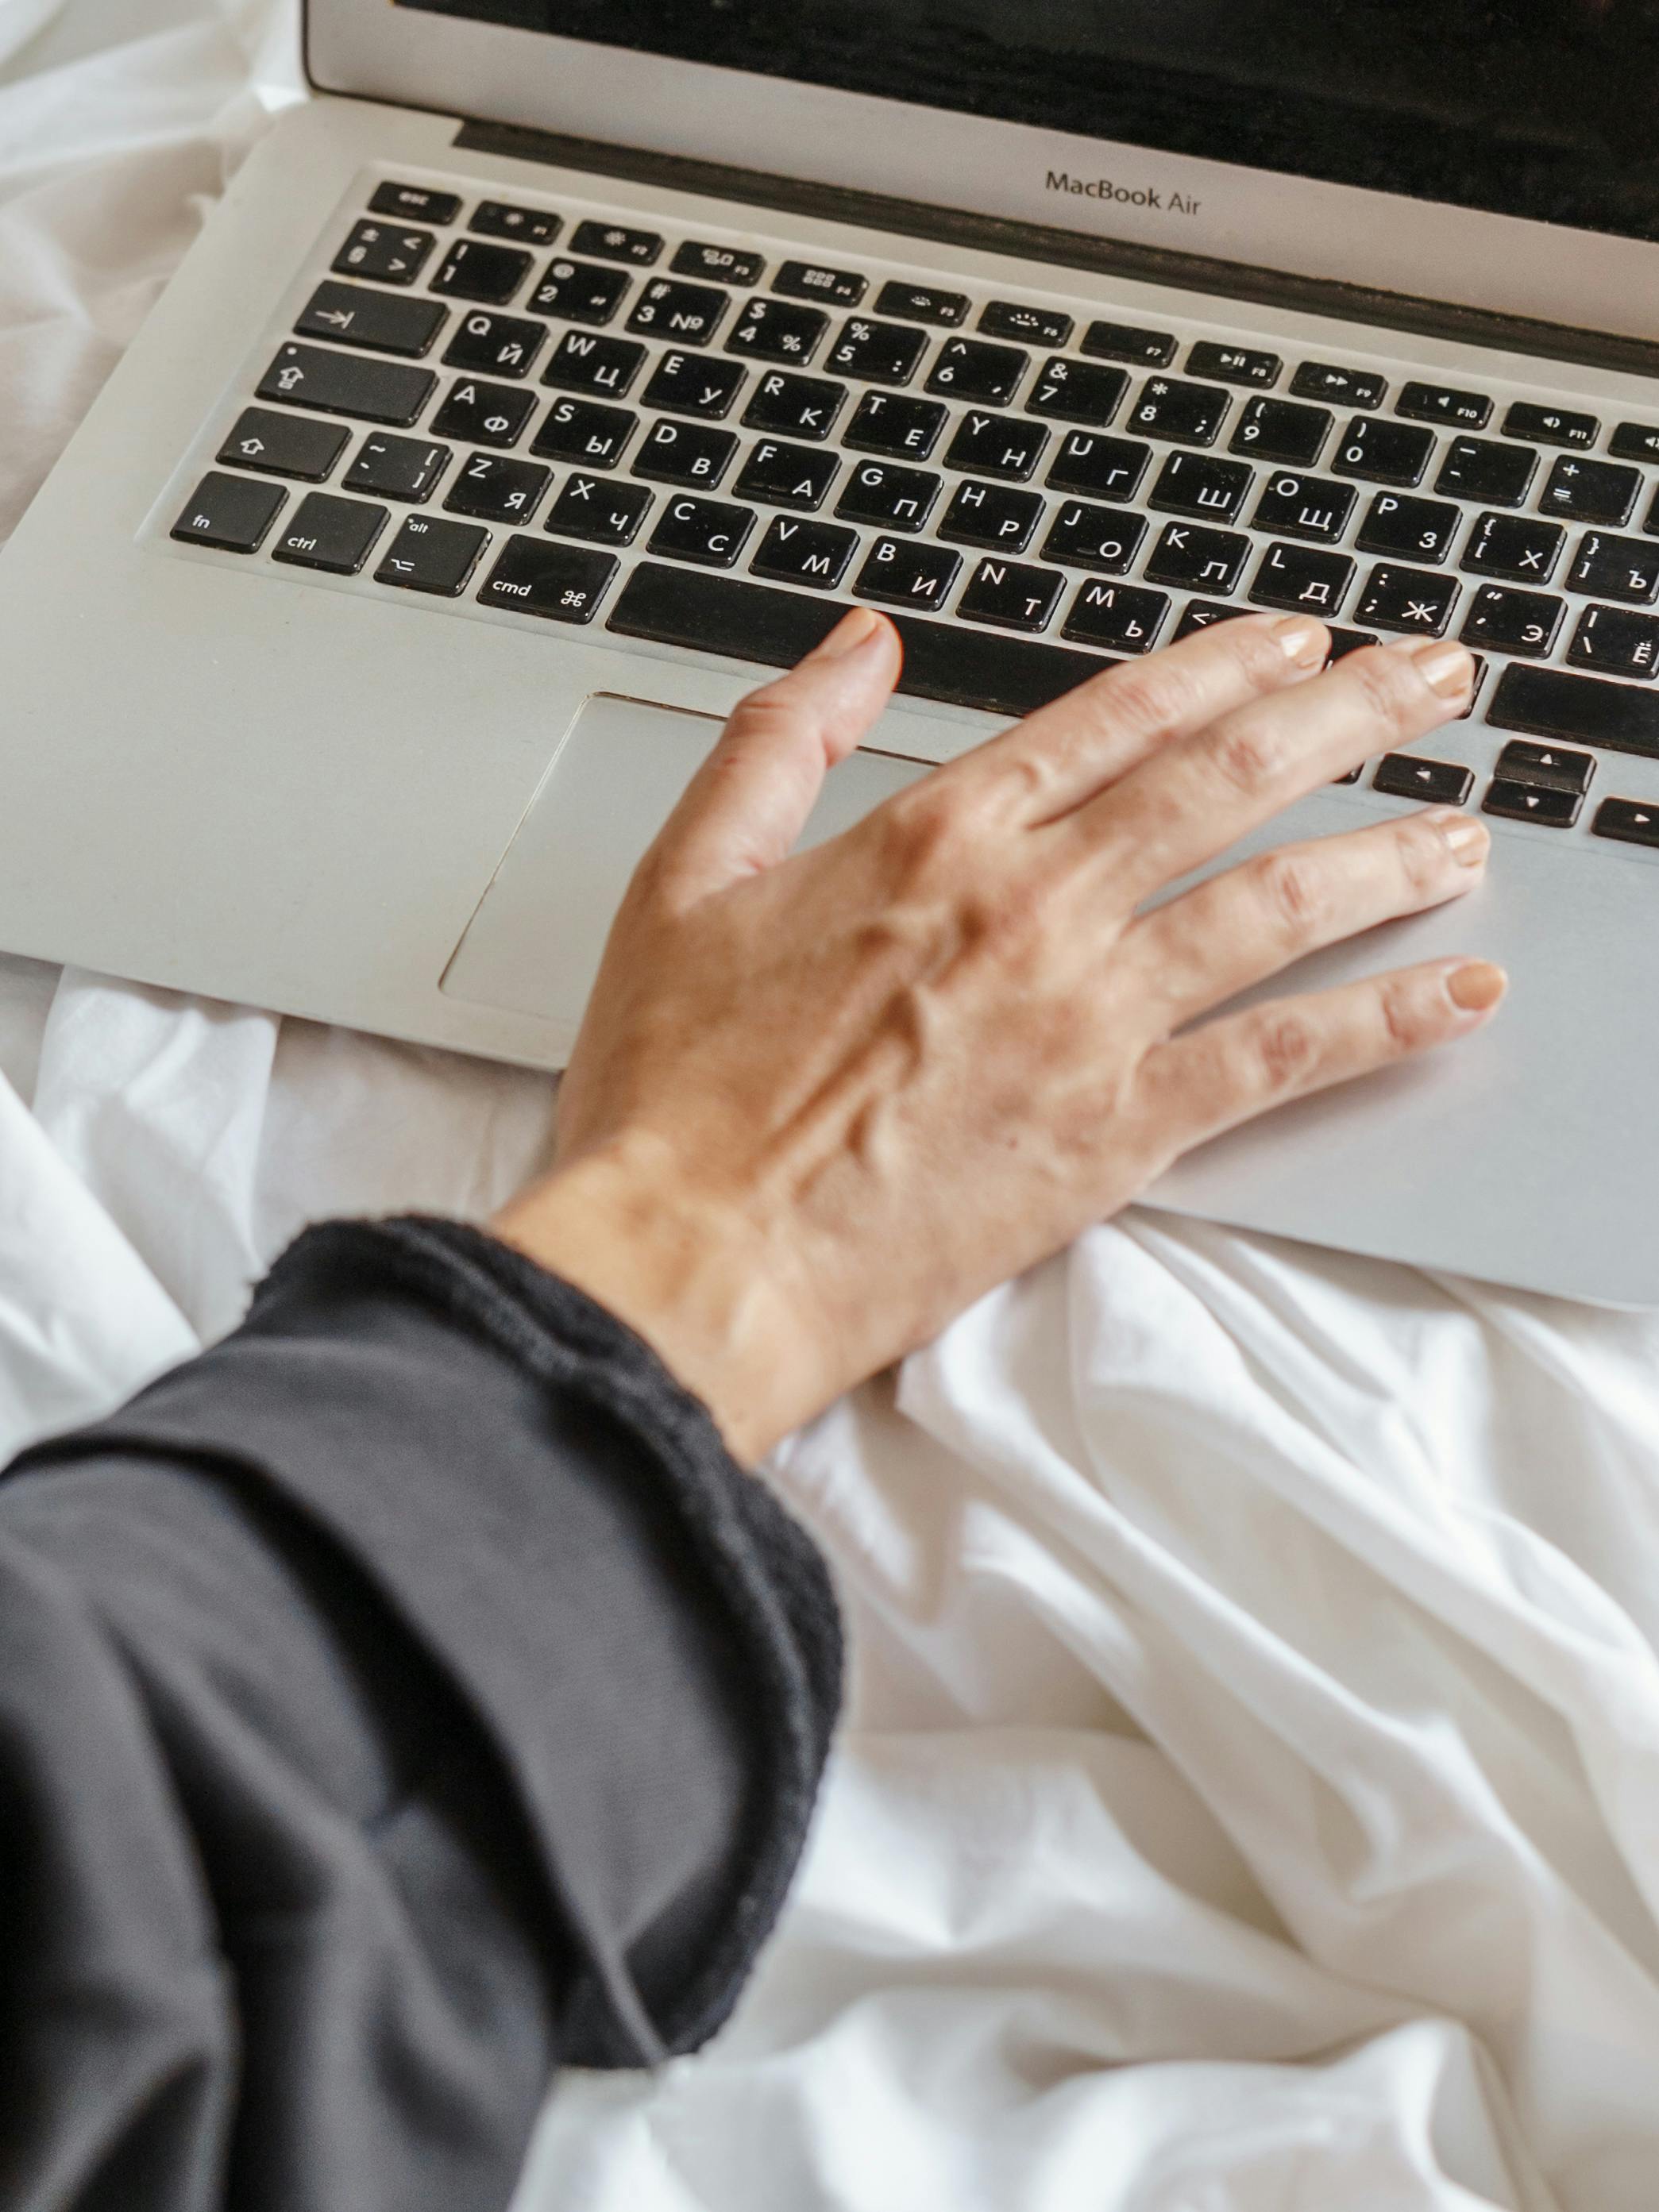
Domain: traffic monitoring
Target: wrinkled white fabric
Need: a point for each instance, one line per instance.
(1249, 1801)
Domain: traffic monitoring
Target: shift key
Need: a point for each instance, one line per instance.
(341, 384)
(1577, 710)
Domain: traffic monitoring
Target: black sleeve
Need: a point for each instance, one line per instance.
(406, 1697)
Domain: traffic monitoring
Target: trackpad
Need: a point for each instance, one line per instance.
(533, 944)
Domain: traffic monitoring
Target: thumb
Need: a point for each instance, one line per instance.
(749, 802)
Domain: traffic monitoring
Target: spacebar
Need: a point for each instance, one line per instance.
(750, 622)
(1577, 710)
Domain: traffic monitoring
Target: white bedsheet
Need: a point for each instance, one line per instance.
(1249, 1801)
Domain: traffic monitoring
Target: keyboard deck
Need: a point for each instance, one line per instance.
(561, 417)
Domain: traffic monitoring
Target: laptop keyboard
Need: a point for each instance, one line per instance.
(683, 441)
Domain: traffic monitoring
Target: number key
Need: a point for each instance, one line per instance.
(1186, 414)
(776, 330)
(577, 292)
(984, 375)
(1381, 452)
(1077, 391)
(877, 353)
(690, 314)
(1279, 430)
(474, 269)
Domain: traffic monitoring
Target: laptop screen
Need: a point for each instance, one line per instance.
(1543, 108)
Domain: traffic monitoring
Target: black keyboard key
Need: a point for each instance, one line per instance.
(1521, 760)
(1406, 775)
(944, 661)
(1505, 620)
(992, 515)
(1011, 595)
(386, 467)
(577, 292)
(1117, 617)
(342, 384)
(922, 303)
(1279, 430)
(795, 551)
(1514, 546)
(1631, 821)
(1232, 364)
(996, 446)
(1123, 342)
(1380, 452)
(495, 345)
(895, 424)
(1610, 567)
(561, 583)
(1412, 529)
(1292, 505)
(890, 497)
(900, 574)
(1344, 387)
(615, 241)
(504, 218)
(1344, 641)
(1482, 469)
(1408, 599)
(231, 514)
(432, 556)
(1546, 702)
(334, 534)
(811, 280)
(877, 353)
(1198, 560)
(710, 531)
(1591, 491)
(1307, 581)
(583, 362)
(803, 406)
(474, 269)
(1109, 468)
(1087, 536)
(774, 329)
(383, 322)
(1006, 318)
(1528, 802)
(723, 264)
(603, 513)
(485, 414)
(1635, 441)
(787, 476)
(416, 203)
(283, 445)
(579, 430)
(1550, 425)
(695, 384)
(693, 454)
(1186, 414)
(384, 254)
(687, 315)
(492, 487)
(1203, 486)
(1615, 642)
(1439, 402)
(984, 375)
(1204, 614)
(1077, 391)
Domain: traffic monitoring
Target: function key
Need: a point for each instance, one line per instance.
(385, 322)
(577, 292)
(726, 264)
(1187, 414)
(1405, 775)
(231, 514)
(687, 313)
(560, 582)
(1552, 766)
(1123, 342)
(1231, 364)
(430, 556)
(1384, 453)
(922, 303)
(986, 375)
(1591, 491)
(772, 330)
(1279, 430)
(1348, 387)
(415, 203)
(283, 445)
(1635, 441)
(1550, 425)
(1479, 468)
(1439, 403)
(877, 353)
(390, 255)
(1077, 391)
(1632, 821)
(613, 241)
(1006, 318)
(473, 270)
(1615, 642)
(811, 280)
(334, 534)
(497, 219)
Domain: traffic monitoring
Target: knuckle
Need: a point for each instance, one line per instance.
(1286, 1049)
(1149, 697)
(1383, 683)
(926, 827)
(1295, 890)
(1423, 855)
(1405, 1024)
(1248, 754)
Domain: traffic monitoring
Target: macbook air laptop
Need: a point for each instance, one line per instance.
(563, 365)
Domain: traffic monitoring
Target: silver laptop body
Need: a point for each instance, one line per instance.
(527, 390)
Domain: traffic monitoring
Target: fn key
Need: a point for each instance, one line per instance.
(229, 513)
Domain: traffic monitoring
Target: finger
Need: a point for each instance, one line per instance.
(1066, 752)
(1243, 926)
(1240, 1065)
(1195, 798)
(748, 803)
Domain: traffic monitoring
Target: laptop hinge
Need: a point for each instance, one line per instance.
(1070, 249)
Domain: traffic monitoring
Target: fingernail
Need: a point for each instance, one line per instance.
(1444, 666)
(1469, 841)
(855, 628)
(1476, 987)
(1302, 640)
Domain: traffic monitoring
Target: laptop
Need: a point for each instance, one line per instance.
(561, 366)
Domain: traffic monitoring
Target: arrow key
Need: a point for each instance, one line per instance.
(1528, 802)
(282, 445)
(381, 322)
(1630, 820)
(1551, 767)
(1405, 775)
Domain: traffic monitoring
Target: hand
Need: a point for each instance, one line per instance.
(820, 1104)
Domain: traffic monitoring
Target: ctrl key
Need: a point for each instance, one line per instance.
(332, 534)
(229, 513)
(561, 582)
